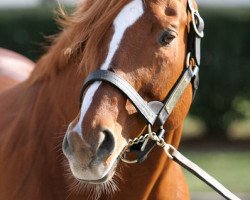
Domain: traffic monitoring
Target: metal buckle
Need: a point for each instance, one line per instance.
(198, 23)
(188, 59)
(194, 71)
(124, 159)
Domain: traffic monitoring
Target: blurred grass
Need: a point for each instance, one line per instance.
(229, 168)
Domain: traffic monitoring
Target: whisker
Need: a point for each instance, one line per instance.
(92, 191)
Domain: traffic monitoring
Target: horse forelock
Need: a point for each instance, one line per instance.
(80, 42)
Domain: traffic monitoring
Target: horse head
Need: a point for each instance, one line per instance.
(146, 46)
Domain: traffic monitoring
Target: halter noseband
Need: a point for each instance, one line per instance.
(156, 112)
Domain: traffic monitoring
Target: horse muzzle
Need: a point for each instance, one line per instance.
(91, 163)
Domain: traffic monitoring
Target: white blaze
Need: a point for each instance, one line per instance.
(126, 18)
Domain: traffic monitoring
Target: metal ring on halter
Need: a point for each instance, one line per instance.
(123, 159)
(196, 19)
(188, 58)
(195, 69)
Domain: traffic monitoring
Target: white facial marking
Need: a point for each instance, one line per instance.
(87, 100)
(126, 18)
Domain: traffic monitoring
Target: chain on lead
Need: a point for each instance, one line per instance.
(153, 136)
(161, 142)
(143, 139)
(137, 140)
(150, 135)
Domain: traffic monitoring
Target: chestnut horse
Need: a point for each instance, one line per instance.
(145, 42)
(14, 68)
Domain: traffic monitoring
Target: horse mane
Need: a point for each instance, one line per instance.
(79, 43)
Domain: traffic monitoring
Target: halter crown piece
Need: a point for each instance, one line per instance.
(156, 113)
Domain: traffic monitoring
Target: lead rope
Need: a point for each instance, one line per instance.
(176, 156)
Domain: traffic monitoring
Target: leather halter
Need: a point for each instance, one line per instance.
(156, 113)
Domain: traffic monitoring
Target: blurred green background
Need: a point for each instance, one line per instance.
(217, 131)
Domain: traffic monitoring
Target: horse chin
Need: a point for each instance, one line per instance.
(106, 177)
(96, 187)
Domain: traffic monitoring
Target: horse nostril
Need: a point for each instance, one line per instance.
(65, 146)
(107, 145)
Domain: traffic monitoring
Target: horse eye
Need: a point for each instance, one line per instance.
(166, 38)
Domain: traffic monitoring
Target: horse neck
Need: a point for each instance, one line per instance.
(37, 113)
